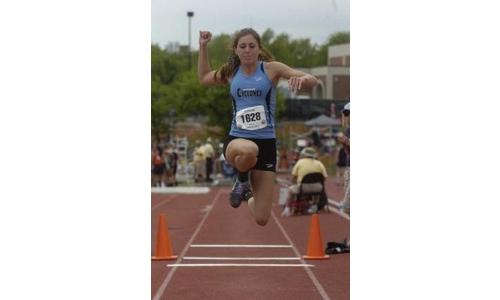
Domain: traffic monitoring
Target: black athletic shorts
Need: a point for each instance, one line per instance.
(159, 169)
(266, 160)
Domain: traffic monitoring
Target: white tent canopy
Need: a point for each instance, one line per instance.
(323, 120)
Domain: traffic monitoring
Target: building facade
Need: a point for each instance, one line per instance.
(334, 77)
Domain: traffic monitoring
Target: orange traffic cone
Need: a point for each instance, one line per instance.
(163, 246)
(315, 244)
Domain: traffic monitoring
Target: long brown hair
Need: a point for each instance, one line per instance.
(233, 62)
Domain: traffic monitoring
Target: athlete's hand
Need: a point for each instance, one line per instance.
(295, 83)
(205, 37)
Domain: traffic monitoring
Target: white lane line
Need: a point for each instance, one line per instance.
(335, 208)
(164, 284)
(240, 265)
(315, 281)
(240, 246)
(180, 190)
(240, 258)
(164, 201)
(334, 203)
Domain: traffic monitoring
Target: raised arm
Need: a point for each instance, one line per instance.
(296, 79)
(205, 74)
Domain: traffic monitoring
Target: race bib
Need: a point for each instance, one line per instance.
(251, 118)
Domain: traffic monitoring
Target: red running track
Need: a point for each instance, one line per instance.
(198, 220)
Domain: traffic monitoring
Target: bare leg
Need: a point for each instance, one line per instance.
(242, 154)
(340, 175)
(346, 203)
(263, 188)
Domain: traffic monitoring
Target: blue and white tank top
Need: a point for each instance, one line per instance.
(254, 104)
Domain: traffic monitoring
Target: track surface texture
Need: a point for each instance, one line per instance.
(223, 254)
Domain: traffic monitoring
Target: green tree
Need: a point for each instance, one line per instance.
(321, 57)
(280, 48)
(164, 65)
(302, 53)
(219, 50)
(212, 102)
(267, 37)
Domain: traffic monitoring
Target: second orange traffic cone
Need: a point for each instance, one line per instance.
(163, 246)
(315, 244)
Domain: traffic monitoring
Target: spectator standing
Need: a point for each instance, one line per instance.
(173, 163)
(208, 151)
(345, 140)
(199, 162)
(316, 137)
(171, 158)
(159, 167)
(341, 165)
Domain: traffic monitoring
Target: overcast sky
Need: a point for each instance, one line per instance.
(314, 19)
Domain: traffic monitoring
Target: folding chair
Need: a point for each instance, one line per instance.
(311, 193)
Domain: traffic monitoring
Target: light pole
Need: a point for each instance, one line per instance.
(190, 14)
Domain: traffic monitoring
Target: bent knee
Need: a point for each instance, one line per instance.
(245, 152)
(246, 147)
(249, 150)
